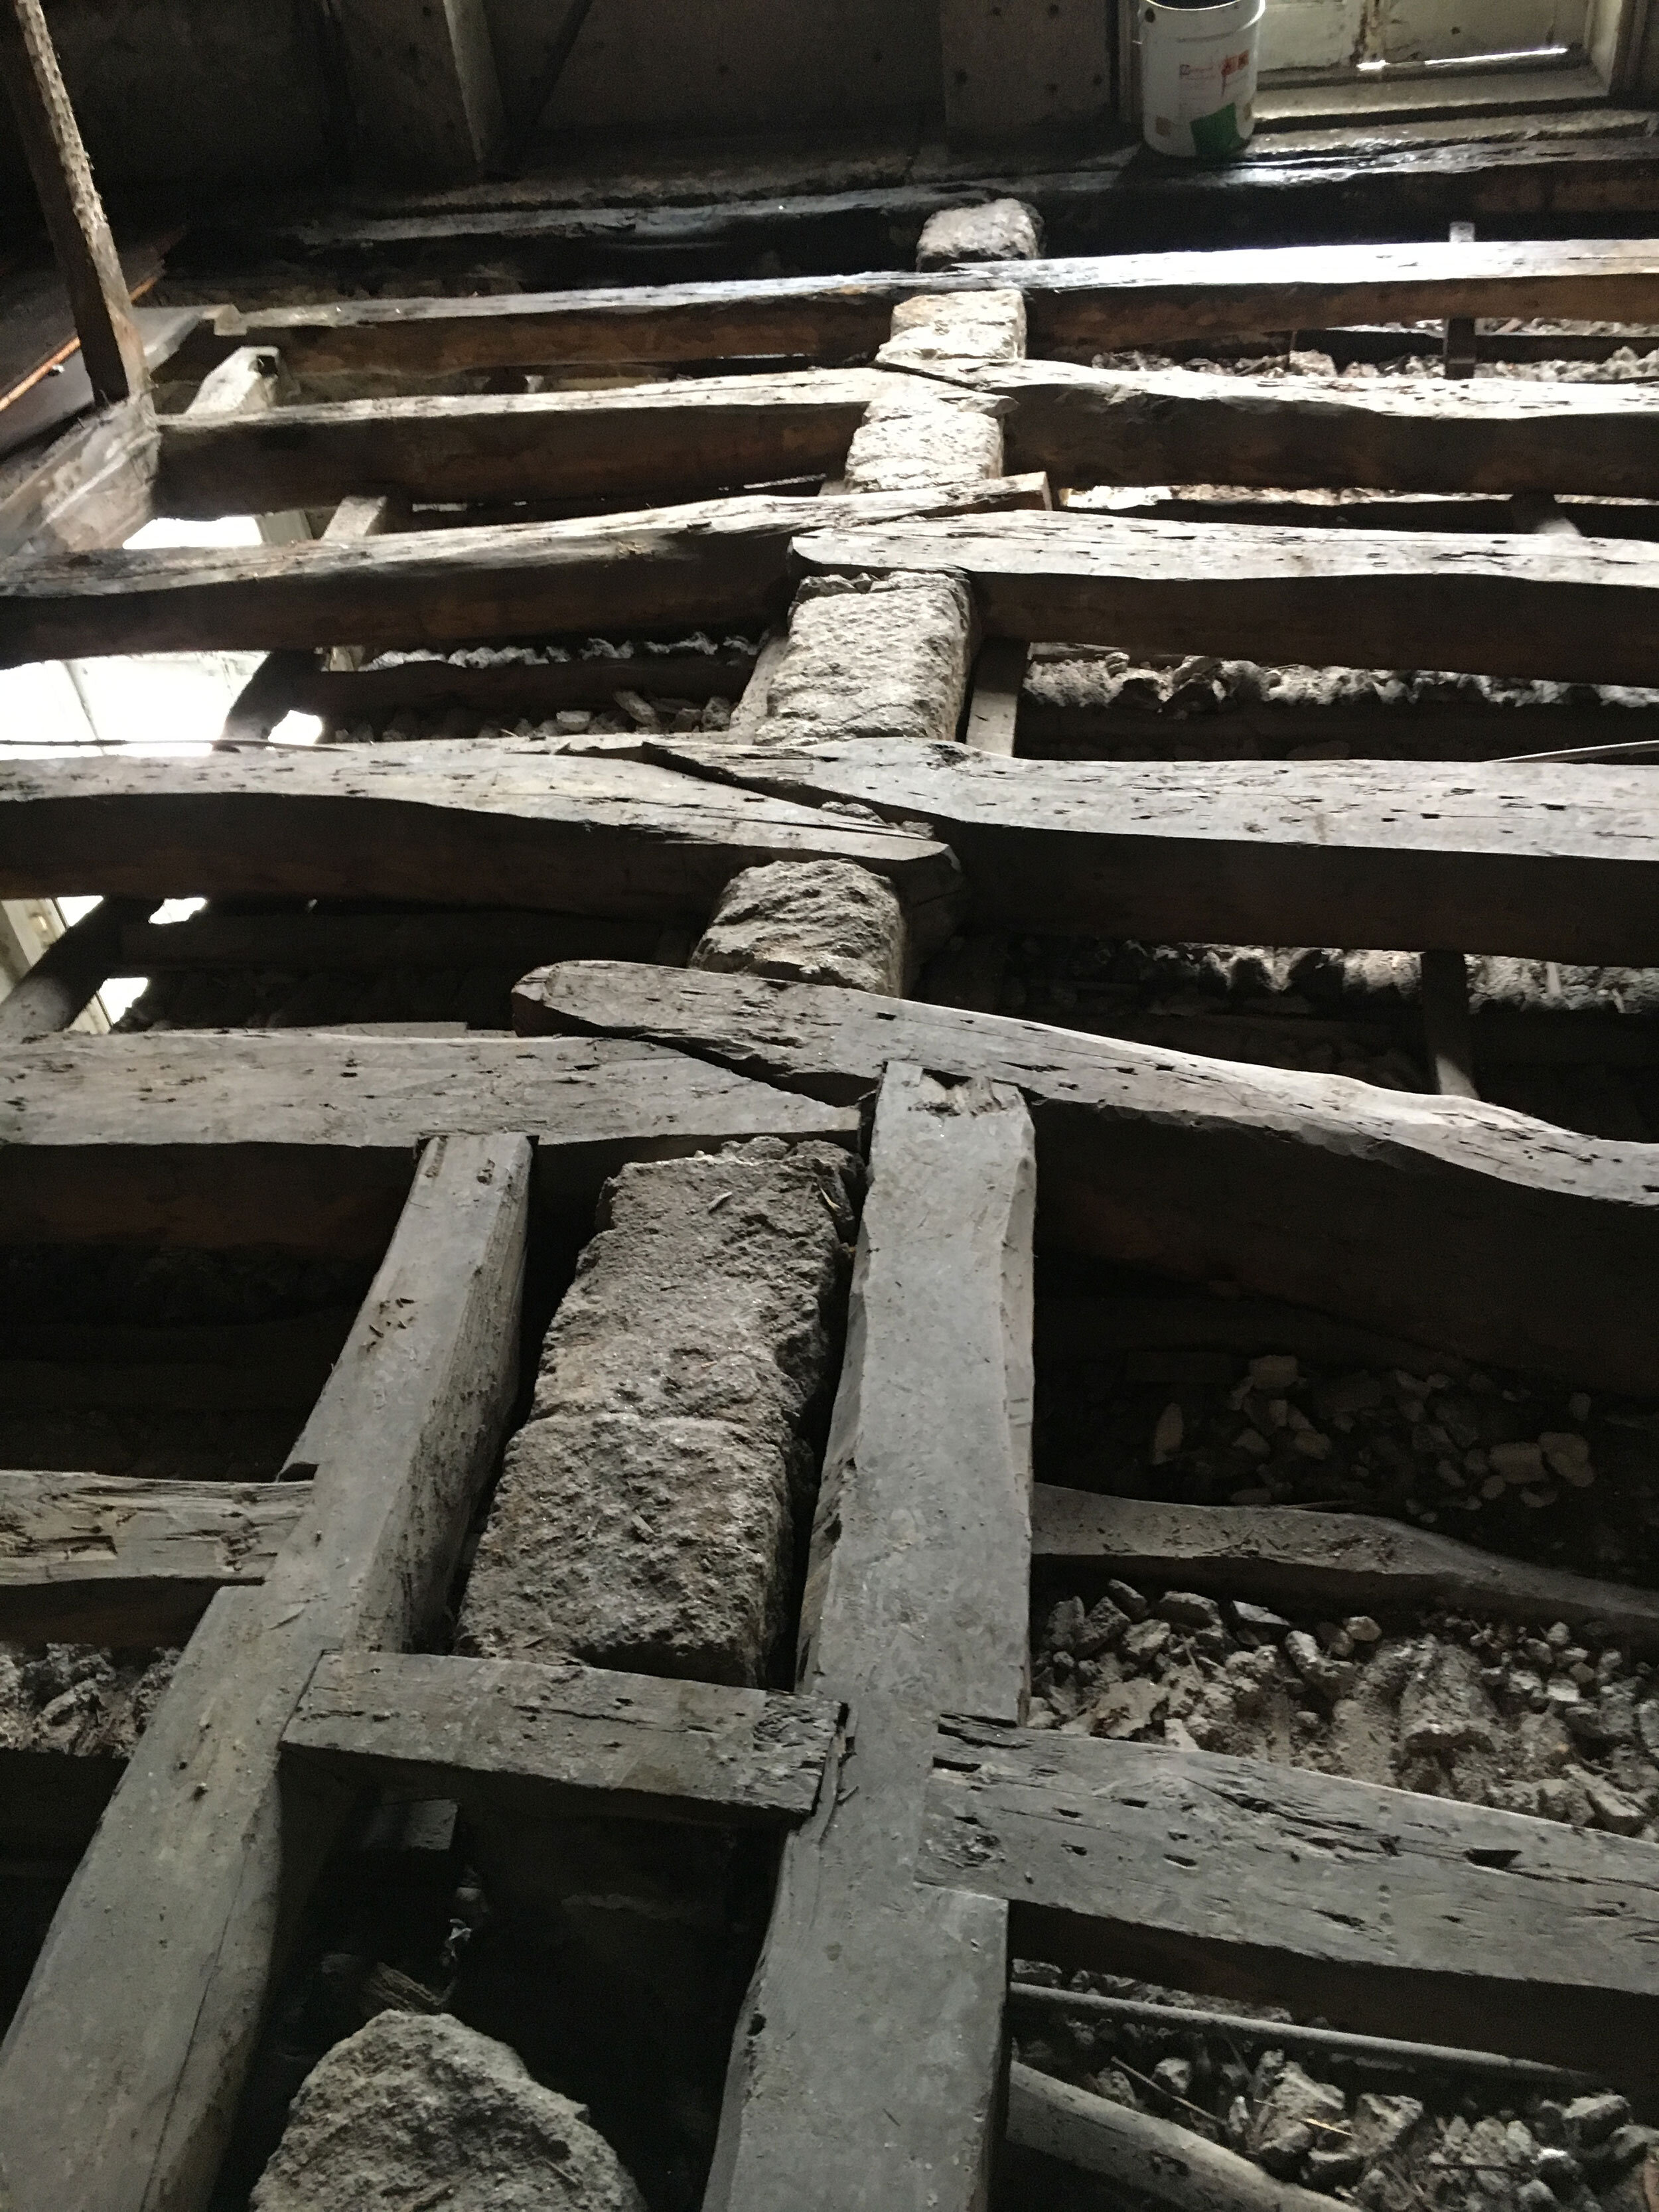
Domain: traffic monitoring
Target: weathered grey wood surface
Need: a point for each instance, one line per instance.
(1520, 1935)
(90, 488)
(692, 439)
(1575, 610)
(1552, 862)
(314, 942)
(178, 1912)
(515, 822)
(1160, 2161)
(1418, 434)
(569, 1740)
(132, 1135)
(1339, 1562)
(864, 2069)
(1443, 1220)
(1082, 305)
(679, 566)
(93, 1558)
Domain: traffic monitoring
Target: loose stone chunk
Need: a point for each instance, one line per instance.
(941, 328)
(420, 2111)
(809, 921)
(646, 1514)
(1002, 230)
(887, 658)
(926, 436)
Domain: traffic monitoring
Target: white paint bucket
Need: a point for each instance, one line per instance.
(1198, 68)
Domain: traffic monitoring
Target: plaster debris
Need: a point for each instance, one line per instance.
(1001, 230)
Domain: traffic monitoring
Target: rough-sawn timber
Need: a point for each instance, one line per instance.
(1444, 1220)
(1496, 857)
(577, 1741)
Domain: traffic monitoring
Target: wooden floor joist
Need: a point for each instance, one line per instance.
(88, 1558)
(1342, 1563)
(1081, 306)
(1577, 611)
(670, 566)
(1480, 1231)
(649, 441)
(1184, 426)
(579, 1741)
(517, 822)
(1405, 1913)
(1547, 861)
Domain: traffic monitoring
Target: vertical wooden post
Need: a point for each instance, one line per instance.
(110, 343)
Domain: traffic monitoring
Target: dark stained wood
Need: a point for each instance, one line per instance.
(67, 976)
(669, 567)
(1159, 2161)
(1096, 304)
(110, 343)
(1449, 1223)
(1496, 606)
(1518, 1935)
(516, 821)
(573, 1742)
(688, 440)
(865, 2064)
(1340, 1563)
(306, 1141)
(180, 1909)
(155, 1386)
(1185, 426)
(511, 688)
(89, 1558)
(1519, 858)
(310, 943)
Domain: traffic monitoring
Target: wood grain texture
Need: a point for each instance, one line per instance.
(691, 440)
(91, 488)
(1445, 1221)
(1247, 1875)
(180, 1909)
(1541, 860)
(1340, 1563)
(568, 1741)
(68, 973)
(1160, 2161)
(98, 1559)
(1409, 434)
(669, 568)
(1576, 610)
(864, 2071)
(1093, 304)
(110, 343)
(513, 822)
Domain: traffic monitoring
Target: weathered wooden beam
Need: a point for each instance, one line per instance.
(511, 688)
(1100, 303)
(94, 1559)
(725, 560)
(1497, 606)
(575, 1742)
(312, 942)
(519, 823)
(1231, 1874)
(110, 343)
(68, 973)
(1481, 1232)
(689, 440)
(89, 490)
(180, 1909)
(1340, 1564)
(994, 703)
(1185, 426)
(306, 1141)
(1159, 2161)
(865, 2066)
(1547, 861)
